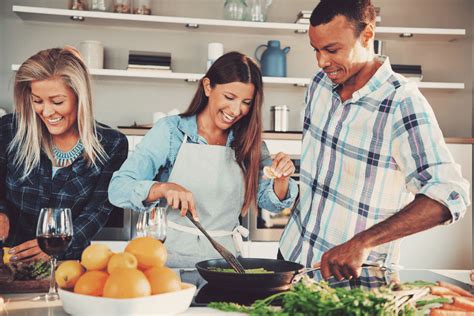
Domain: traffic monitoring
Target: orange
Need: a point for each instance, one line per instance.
(162, 280)
(68, 273)
(91, 283)
(122, 260)
(127, 283)
(96, 257)
(148, 251)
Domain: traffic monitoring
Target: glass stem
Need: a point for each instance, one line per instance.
(52, 285)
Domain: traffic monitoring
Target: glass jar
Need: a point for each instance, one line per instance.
(99, 5)
(235, 9)
(142, 7)
(78, 5)
(122, 6)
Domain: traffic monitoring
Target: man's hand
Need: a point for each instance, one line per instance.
(4, 226)
(344, 261)
(27, 251)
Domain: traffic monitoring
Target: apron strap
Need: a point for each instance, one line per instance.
(237, 234)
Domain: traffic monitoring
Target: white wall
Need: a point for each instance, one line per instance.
(121, 102)
(444, 247)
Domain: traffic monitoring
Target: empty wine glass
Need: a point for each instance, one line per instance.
(54, 234)
(153, 223)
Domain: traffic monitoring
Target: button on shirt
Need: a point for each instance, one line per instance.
(80, 187)
(154, 158)
(363, 160)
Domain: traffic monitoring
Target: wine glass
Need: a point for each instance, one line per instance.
(153, 223)
(54, 234)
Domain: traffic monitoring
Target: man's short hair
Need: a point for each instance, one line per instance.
(358, 12)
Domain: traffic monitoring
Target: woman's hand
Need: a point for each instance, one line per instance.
(282, 166)
(4, 226)
(176, 196)
(27, 251)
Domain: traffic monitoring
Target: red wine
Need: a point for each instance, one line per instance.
(54, 245)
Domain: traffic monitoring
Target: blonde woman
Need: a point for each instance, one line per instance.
(54, 154)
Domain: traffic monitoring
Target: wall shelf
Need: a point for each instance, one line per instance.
(39, 14)
(193, 77)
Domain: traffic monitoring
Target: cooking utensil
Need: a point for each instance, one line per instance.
(285, 273)
(230, 259)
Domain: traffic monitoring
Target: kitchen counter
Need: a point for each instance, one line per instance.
(21, 304)
(142, 130)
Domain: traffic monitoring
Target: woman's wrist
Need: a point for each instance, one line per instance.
(157, 191)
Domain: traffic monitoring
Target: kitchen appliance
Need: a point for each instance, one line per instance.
(118, 227)
(273, 59)
(279, 118)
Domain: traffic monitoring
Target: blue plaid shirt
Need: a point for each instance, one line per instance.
(79, 187)
(363, 160)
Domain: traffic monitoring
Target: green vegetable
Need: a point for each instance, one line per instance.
(318, 298)
(440, 300)
(250, 271)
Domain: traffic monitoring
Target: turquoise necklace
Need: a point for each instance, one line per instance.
(64, 159)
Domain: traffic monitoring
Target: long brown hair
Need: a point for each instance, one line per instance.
(237, 67)
(32, 135)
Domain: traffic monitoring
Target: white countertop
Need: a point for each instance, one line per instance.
(22, 305)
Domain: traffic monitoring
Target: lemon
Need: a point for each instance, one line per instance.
(6, 255)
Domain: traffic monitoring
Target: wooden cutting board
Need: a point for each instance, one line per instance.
(30, 286)
(9, 286)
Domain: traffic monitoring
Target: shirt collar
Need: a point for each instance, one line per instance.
(381, 75)
(188, 125)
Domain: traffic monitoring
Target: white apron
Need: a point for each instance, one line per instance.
(213, 176)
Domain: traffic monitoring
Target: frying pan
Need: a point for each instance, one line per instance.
(284, 274)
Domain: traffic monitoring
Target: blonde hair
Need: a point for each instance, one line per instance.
(32, 135)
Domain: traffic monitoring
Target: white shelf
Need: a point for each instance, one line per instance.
(40, 14)
(193, 77)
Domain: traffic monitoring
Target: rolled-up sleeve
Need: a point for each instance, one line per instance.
(131, 184)
(266, 196)
(422, 154)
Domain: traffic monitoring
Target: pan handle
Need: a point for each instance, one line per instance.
(300, 274)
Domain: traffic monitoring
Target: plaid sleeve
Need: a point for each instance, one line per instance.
(96, 213)
(3, 163)
(421, 153)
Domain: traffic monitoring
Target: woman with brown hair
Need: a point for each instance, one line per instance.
(208, 161)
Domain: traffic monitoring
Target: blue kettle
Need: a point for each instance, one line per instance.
(273, 59)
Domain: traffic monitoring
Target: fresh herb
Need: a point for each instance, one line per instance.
(318, 298)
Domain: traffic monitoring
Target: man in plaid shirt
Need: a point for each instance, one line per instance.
(374, 164)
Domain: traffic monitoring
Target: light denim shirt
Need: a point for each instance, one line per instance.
(154, 158)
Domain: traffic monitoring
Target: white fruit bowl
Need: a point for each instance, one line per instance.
(166, 303)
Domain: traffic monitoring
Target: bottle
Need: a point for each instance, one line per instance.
(122, 6)
(235, 9)
(142, 7)
(99, 5)
(78, 5)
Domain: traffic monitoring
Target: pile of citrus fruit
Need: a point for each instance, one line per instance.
(138, 271)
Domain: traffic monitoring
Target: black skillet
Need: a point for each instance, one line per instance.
(284, 273)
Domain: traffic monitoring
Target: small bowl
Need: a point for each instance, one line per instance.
(166, 303)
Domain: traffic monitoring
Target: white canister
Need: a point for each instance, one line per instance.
(214, 51)
(92, 53)
(279, 118)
